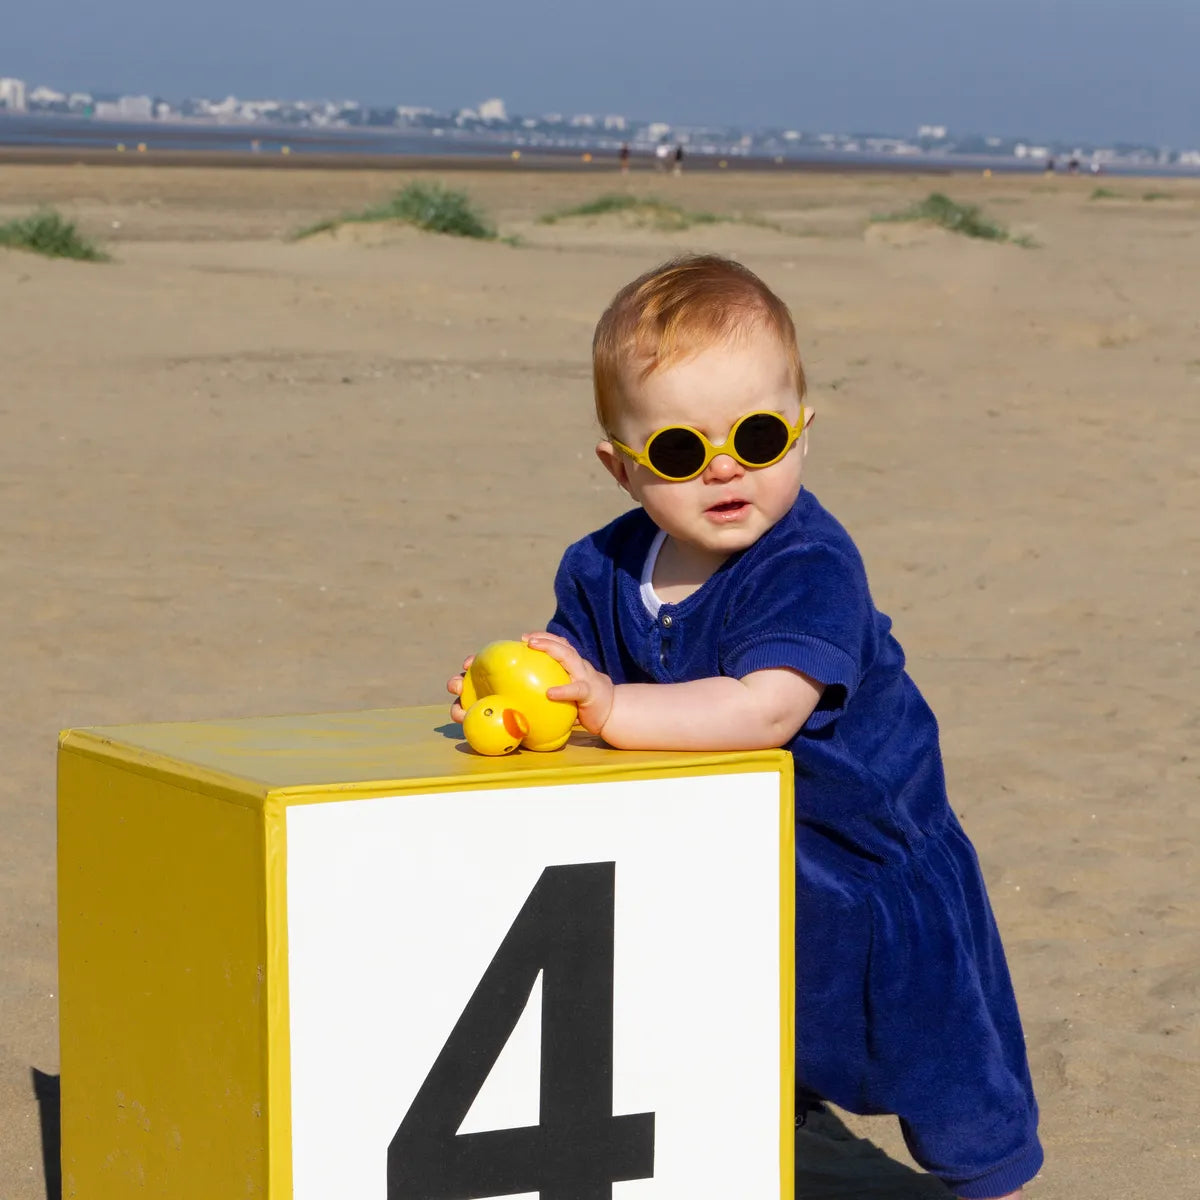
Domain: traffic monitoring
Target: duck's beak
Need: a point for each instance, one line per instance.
(515, 723)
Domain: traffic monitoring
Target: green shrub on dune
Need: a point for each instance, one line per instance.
(49, 234)
(949, 214)
(611, 202)
(429, 206)
(646, 211)
(438, 209)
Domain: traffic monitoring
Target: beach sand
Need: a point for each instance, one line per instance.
(244, 476)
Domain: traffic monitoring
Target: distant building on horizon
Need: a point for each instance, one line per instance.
(46, 97)
(126, 108)
(12, 94)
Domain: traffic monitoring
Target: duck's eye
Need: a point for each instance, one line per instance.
(509, 749)
(487, 712)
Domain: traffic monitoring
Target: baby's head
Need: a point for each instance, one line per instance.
(672, 313)
(699, 392)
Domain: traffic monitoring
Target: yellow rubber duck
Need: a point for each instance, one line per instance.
(504, 693)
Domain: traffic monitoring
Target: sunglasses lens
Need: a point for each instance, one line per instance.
(676, 453)
(761, 438)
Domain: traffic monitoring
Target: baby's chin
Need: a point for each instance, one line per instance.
(729, 538)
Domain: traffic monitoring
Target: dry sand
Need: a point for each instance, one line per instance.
(245, 476)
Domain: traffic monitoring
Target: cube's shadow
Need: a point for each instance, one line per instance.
(831, 1162)
(47, 1093)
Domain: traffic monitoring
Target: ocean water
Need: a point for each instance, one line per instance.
(67, 132)
(17, 129)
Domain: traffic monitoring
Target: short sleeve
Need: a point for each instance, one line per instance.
(574, 618)
(806, 607)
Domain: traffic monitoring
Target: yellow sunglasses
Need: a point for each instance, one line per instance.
(678, 453)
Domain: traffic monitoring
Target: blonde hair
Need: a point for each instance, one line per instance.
(675, 310)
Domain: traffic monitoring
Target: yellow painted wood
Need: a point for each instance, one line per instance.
(787, 979)
(279, 1058)
(162, 962)
(173, 926)
(377, 751)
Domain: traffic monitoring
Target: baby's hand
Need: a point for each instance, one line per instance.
(592, 690)
(455, 686)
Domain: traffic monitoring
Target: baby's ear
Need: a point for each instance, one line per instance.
(614, 463)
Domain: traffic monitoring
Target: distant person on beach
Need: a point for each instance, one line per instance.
(661, 153)
(678, 160)
(624, 158)
(728, 610)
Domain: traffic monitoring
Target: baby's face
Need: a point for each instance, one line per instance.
(728, 507)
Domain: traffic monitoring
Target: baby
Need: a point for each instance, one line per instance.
(730, 611)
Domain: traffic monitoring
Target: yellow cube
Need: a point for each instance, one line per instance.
(343, 955)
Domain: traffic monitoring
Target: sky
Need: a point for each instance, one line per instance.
(1093, 70)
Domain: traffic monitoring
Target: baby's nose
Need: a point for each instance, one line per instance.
(724, 467)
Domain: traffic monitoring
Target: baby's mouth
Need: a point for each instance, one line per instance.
(728, 506)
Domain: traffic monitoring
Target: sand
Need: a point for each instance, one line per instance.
(244, 476)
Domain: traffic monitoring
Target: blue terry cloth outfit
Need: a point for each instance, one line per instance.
(903, 998)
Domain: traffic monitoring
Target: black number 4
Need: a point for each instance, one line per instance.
(578, 1149)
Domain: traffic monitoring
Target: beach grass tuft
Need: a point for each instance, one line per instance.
(611, 202)
(642, 210)
(1156, 195)
(1103, 193)
(648, 212)
(429, 206)
(48, 233)
(966, 219)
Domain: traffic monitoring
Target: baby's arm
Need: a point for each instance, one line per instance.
(763, 710)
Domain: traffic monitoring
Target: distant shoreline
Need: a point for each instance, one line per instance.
(55, 137)
(598, 162)
(300, 159)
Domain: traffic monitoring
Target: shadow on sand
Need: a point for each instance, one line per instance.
(46, 1092)
(831, 1162)
(834, 1164)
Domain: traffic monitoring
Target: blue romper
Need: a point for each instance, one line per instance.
(903, 1003)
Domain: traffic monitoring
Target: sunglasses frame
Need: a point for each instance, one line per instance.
(712, 450)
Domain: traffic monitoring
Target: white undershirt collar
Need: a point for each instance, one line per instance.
(649, 595)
